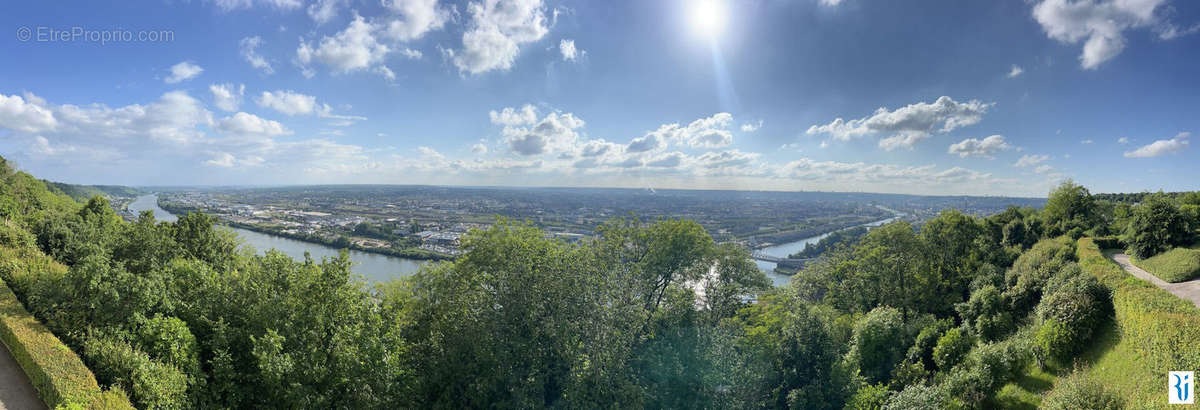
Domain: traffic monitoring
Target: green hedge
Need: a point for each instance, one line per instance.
(57, 373)
(1162, 328)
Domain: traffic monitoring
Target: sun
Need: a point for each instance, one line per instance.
(708, 16)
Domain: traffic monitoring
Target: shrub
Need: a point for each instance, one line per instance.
(1079, 391)
(869, 397)
(1156, 226)
(986, 313)
(1076, 305)
(1032, 269)
(1109, 242)
(1175, 265)
(918, 397)
(922, 348)
(952, 347)
(151, 383)
(875, 349)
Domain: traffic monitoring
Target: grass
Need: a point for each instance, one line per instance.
(1155, 332)
(1175, 265)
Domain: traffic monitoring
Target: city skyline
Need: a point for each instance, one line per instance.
(831, 95)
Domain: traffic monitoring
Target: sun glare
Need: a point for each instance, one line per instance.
(708, 17)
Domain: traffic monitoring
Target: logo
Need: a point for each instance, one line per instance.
(1179, 388)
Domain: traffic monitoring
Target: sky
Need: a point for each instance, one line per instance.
(934, 97)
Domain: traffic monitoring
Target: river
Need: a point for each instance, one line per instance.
(381, 268)
(785, 249)
(375, 267)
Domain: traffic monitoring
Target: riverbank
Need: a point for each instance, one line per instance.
(783, 239)
(409, 253)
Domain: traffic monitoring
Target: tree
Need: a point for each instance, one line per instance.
(1069, 207)
(878, 344)
(987, 314)
(1156, 225)
(952, 347)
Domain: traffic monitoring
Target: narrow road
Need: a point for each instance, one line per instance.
(1189, 290)
(15, 391)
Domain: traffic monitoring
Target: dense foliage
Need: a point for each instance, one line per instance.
(844, 237)
(644, 315)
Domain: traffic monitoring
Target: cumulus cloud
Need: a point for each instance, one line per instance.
(985, 148)
(907, 125)
(248, 48)
(251, 125)
(1123, 140)
(752, 126)
(1100, 24)
(479, 148)
(353, 49)
(26, 114)
(411, 19)
(287, 102)
(226, 96)
(321, 11)
(526, 134)
(1031, 160)
(1015, 71)
(183, 71)
(1161, 147)
(568, 50)
(497, 30)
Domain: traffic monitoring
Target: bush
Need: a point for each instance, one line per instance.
(1032, 269)
(922, 347)
(1156, 226)
(1109, 242)
(876, 345)
(151, 383)
(869, 397)
(1074, 307)
(1175, 265)
(986, 314)
(1078, 391)
(918, 397)
(952, 347)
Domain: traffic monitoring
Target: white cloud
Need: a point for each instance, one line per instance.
(287, 102)
(353, 49)
(28, 114)
(497, 30)
(183, 71)
(413, 18)
(479, 148)
(986, 148)
(1100, 24)
(251, 125)
(567, 48)
(1161, 147)
(1123, 140)
(321, 11)
(1042, 169)
(831, 3)
(654, 140)
(1086, 142)
(527, 135)
(230, 5)
(412, 53)
(224, 160)
(1015, 71)
(752, 126)
(909, 124)
(226, 96)
(1031, 160)
(710, 132)
(509, 116)
(248, 48)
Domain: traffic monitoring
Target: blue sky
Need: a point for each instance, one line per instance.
(932, 97)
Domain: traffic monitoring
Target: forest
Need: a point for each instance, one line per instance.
(647, 314)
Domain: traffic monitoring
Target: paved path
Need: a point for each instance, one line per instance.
(15, 391)
(1189, 290)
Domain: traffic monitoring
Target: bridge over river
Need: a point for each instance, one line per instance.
(788, 263)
